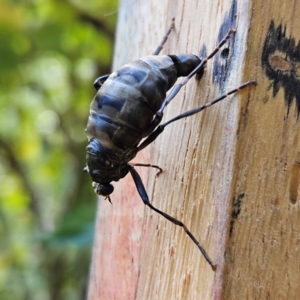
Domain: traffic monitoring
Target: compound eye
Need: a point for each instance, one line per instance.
(106, 189)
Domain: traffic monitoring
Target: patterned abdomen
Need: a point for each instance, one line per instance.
(125, 105)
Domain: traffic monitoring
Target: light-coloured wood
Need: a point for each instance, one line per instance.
(231, 173)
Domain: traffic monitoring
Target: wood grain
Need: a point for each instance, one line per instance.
(231, 173)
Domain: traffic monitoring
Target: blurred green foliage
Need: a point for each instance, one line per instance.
(51, 52)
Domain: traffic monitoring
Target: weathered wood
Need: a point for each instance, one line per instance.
(231, 173)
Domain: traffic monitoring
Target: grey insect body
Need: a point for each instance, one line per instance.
(128, 107)
(127, 101)
(124, 107)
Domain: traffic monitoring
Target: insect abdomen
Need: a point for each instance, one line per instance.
(125, 105)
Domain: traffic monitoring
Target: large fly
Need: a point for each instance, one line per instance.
(128, 107)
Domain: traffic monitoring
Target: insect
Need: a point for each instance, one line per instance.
(128, 107)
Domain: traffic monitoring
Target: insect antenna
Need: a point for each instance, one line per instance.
(108, 198)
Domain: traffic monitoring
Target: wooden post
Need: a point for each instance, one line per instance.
(231, 173)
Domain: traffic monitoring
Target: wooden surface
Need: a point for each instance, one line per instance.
(231, 173)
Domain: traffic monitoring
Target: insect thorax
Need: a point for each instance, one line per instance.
(105, 165)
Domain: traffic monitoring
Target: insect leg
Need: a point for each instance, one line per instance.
(141, 189)
(199, 108)
(159, 48)
(191, 112)
(176, 88)
(99, 81)
(148, 165)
